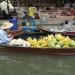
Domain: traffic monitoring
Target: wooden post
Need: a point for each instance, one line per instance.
(8, 6)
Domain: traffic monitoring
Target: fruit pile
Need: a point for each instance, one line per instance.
(19, 42)
(51, 41)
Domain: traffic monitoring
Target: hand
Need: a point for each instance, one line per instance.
(9, 35)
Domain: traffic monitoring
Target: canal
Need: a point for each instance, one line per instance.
(28, 64)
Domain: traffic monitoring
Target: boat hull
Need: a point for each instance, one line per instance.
(47, 51)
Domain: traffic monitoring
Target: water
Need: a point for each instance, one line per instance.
(27, 64)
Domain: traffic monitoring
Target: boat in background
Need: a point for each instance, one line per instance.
(53, 29)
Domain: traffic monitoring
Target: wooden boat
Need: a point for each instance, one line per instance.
(30, 50)
(46, 28)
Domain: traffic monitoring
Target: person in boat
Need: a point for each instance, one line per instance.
(32, 11)
(4, 37)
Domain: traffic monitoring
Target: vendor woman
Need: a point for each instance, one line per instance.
(4, 37)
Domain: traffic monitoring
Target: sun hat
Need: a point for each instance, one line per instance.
(6, 25)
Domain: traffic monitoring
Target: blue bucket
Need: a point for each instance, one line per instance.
(14, 22)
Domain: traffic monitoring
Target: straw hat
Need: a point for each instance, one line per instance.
(6, 25)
